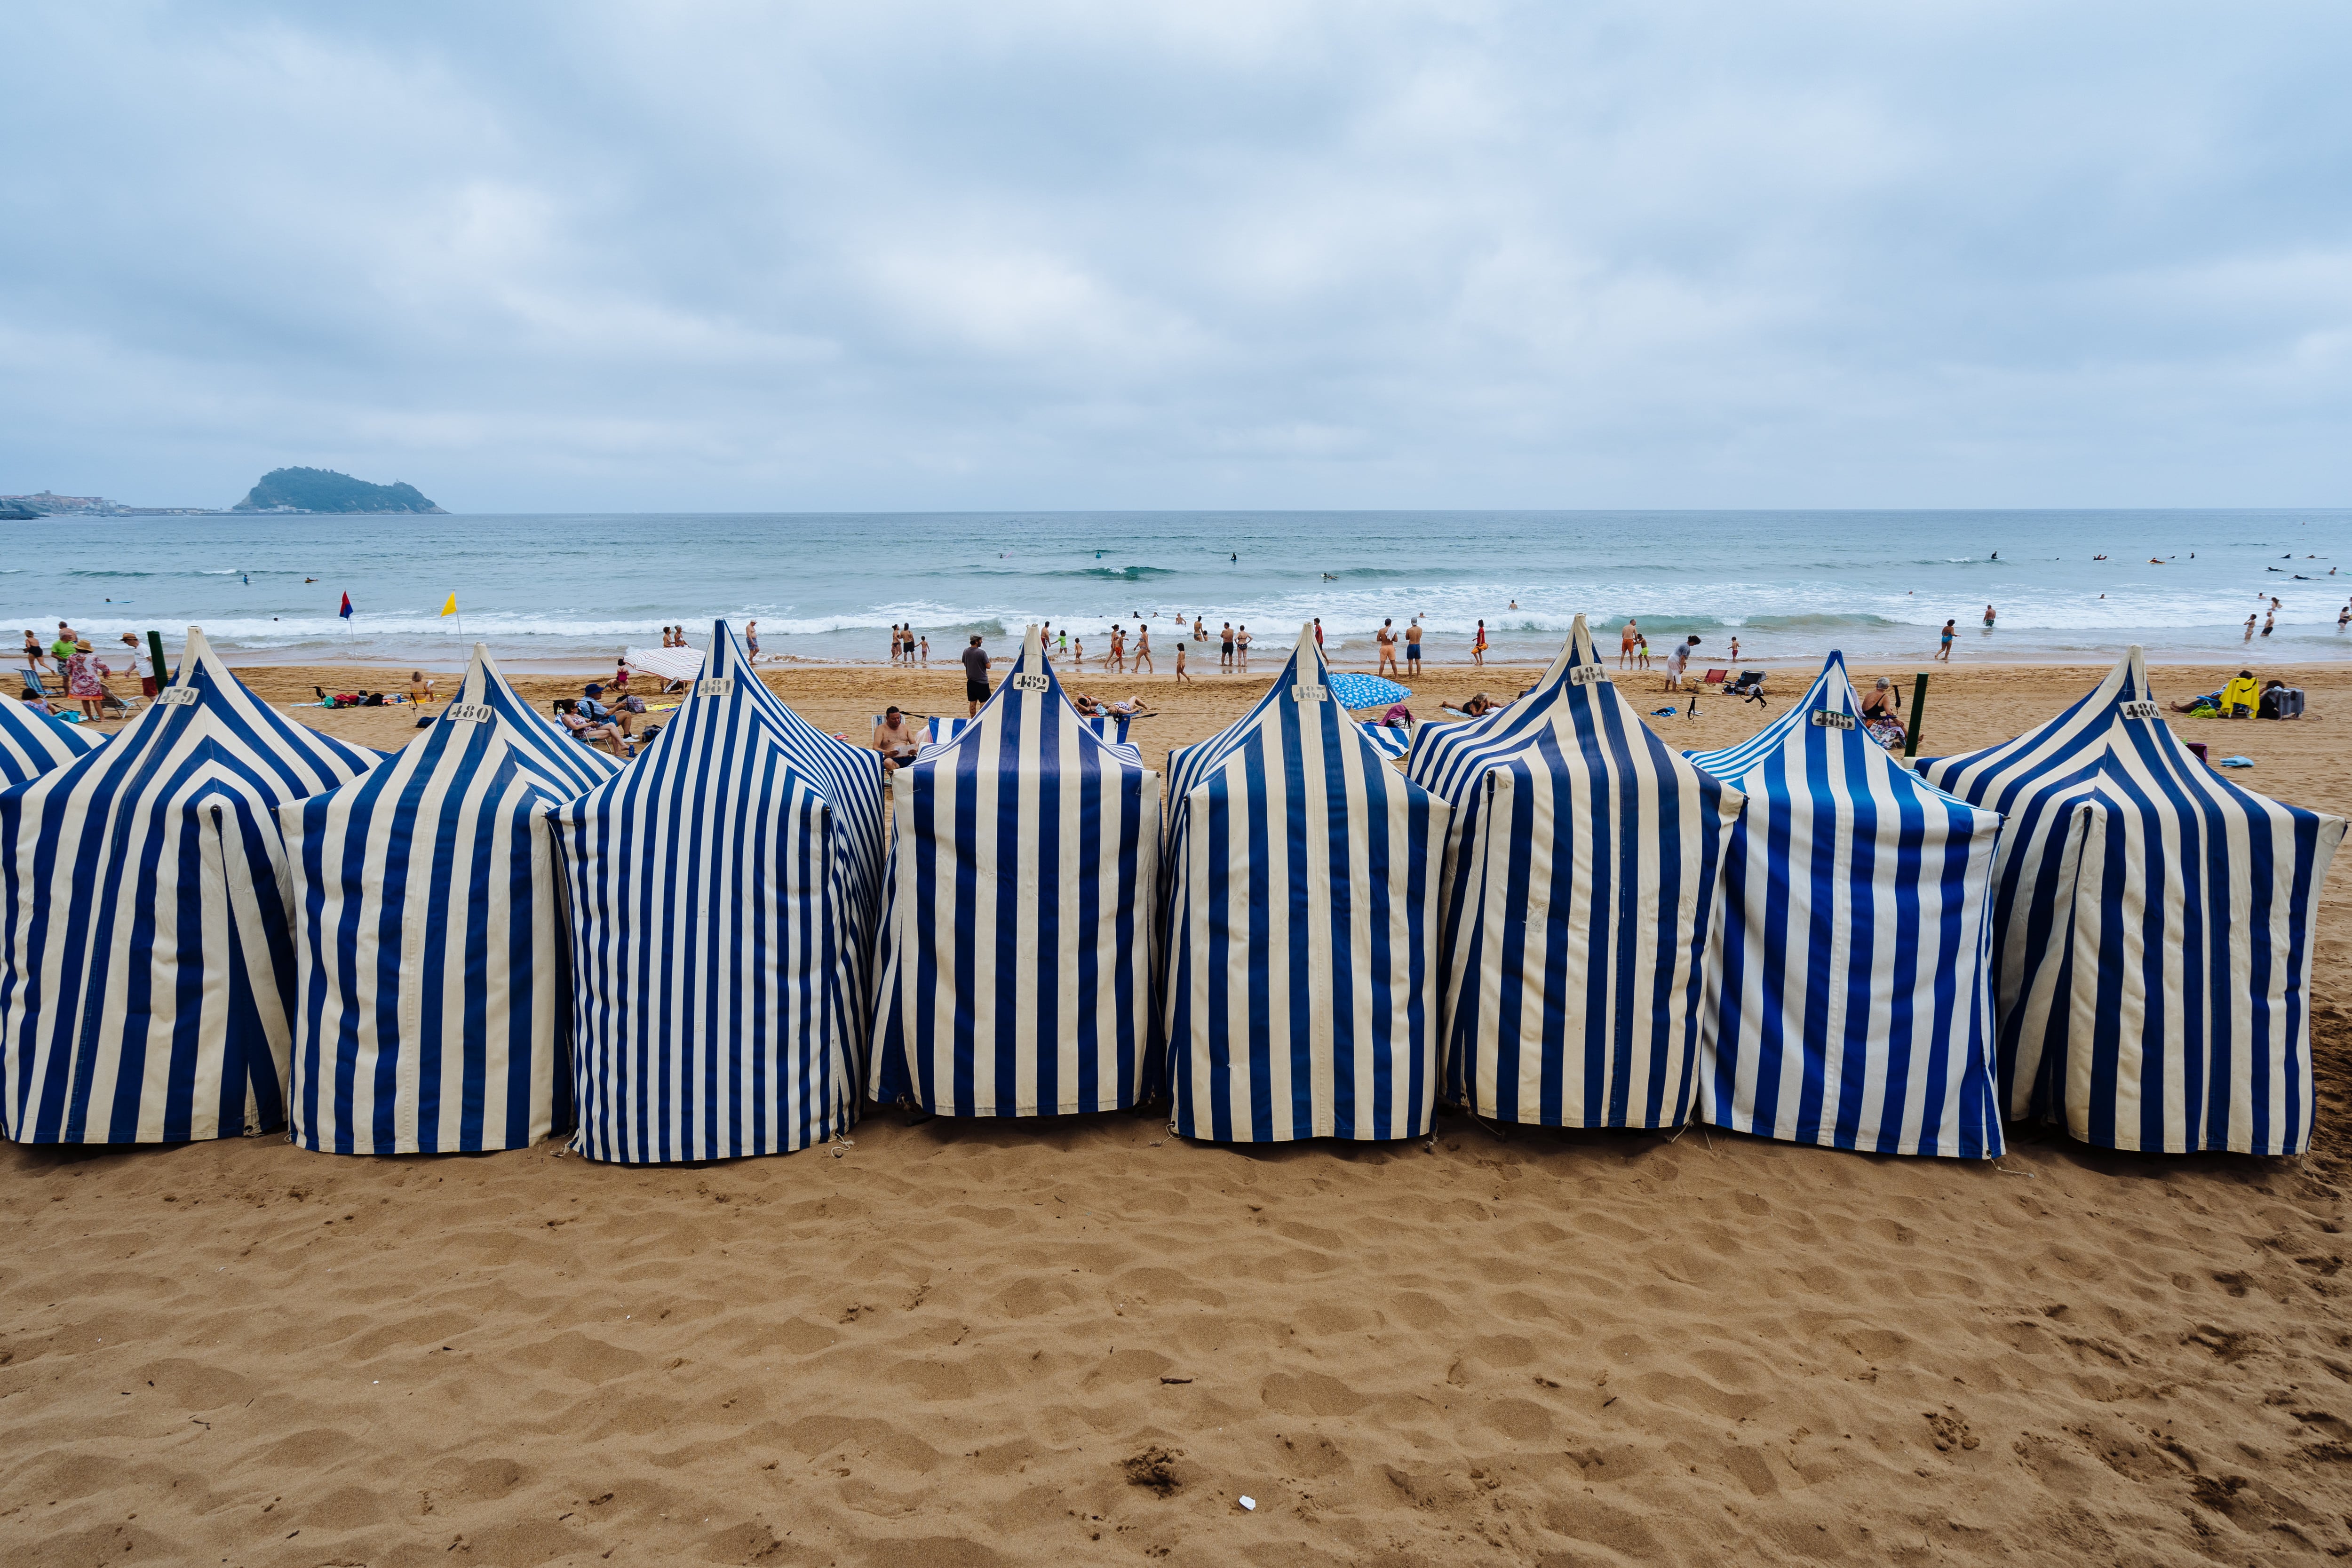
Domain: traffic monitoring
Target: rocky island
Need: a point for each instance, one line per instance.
(323, 490)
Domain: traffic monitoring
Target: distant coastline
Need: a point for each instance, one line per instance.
(285, 492)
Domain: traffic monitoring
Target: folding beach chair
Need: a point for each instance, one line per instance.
(33, 686)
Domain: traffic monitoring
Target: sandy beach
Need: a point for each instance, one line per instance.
(1084, 1340)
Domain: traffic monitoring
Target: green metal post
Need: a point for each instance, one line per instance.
(1918, 712)
(155, 656)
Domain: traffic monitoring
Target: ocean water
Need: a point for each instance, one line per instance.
(568, 592)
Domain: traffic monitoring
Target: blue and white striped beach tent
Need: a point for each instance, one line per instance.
(31, 742)
(2152, 932)
(1583, 894)
(1853, 1006)
(723, 894)
(147, 964)
(1017, 942)
(1302, 920)
(431, 1013)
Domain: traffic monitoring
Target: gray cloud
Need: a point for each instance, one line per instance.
(742, 256)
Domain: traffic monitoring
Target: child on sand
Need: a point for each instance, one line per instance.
(1182, 678)
(420, 690)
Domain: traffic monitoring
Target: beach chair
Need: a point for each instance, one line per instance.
(1714, 677)
(33, 686)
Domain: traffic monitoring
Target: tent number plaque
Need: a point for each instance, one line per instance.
(715, 686)
(178, 697)
(1586, 674)
(468, 713)
(2143, 709)
(1825, 719)
(1029, 680)
(1305, 693)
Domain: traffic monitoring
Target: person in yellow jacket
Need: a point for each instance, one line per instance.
(2240, 697)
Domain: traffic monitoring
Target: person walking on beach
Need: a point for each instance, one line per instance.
(2250, 628)
(1241, 646)
(927, 651)
(1625, 641)
(1225, 653)
(1640, 651)
(975, 675)
(36, 655)
(1413, 646)
(1143, 651)
(1478, 646)
(1319, 634)
(1117, 659)
(751, 640)
(1735, 647)
(1386, 638)
(1182, 678)
(1945, 651)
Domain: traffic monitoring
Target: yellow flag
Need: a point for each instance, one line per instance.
(451, 607)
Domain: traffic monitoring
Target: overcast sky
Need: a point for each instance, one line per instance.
(680, 256)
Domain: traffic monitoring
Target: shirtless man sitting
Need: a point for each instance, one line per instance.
(895, 739)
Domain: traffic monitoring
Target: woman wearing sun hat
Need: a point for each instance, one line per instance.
(83, 670)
